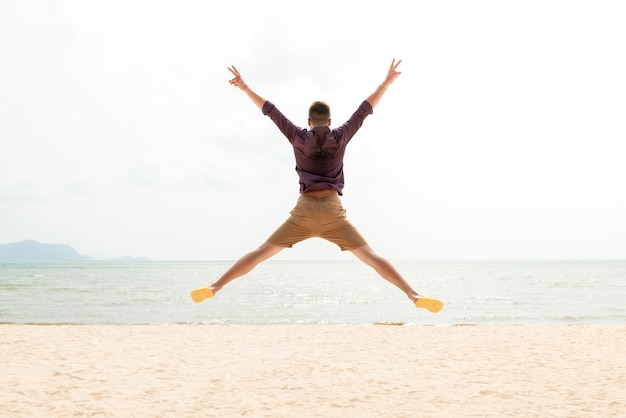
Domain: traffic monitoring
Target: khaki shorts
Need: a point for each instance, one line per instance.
(322, 217)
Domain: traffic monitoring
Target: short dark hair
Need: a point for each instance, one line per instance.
(319, 113)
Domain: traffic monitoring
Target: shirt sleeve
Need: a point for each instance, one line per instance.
(352, 125)
(288, 129)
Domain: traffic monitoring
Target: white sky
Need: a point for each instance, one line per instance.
(504, 137)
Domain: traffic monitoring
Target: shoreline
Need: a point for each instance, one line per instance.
(316, 370)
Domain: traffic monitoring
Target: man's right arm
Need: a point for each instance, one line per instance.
(238, 82)
(284, 125)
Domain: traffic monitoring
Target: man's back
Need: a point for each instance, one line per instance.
(319, 151)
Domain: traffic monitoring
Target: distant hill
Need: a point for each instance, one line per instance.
(30, 250)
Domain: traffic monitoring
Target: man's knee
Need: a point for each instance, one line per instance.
(266, 250)
(365, 253)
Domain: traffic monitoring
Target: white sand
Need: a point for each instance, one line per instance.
(325, 371)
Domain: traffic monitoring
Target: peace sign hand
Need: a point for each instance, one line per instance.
(237, 81)
(393, 72)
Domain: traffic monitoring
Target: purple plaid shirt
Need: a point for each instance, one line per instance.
(319, 152)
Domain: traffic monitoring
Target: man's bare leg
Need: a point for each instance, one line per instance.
(245, 264)
(385, 269)
(389, 273)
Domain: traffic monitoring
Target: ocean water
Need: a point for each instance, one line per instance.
(313, 292)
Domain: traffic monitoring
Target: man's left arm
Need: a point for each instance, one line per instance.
(392, 74)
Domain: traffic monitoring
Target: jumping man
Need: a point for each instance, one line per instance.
(319, 212)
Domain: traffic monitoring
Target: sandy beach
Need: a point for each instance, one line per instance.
(325, 371)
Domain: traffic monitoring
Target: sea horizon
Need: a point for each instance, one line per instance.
(530, 292)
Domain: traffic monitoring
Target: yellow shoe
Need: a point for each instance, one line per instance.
(432, 305)
(199, 295)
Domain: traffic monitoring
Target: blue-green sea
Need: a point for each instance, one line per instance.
(313, 292)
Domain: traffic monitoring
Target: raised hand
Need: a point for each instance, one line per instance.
(237, 81)
(393, 72)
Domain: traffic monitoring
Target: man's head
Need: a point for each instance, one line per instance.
(319, 114)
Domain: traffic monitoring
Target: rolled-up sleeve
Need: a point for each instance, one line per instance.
(352, 125)
(288, 129)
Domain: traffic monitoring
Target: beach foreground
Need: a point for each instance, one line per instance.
(310, 370)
